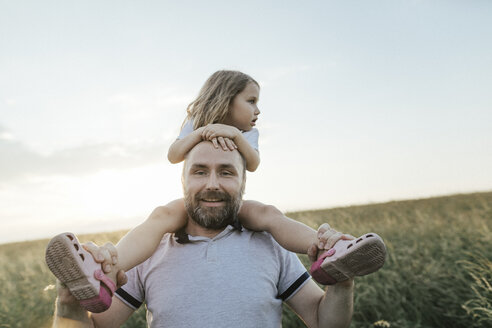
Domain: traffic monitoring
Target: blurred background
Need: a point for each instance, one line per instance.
(361, 102)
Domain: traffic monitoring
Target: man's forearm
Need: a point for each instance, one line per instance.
(337, 306)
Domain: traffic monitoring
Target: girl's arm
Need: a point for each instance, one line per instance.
(142, 241)
(222, 132)
(290, 234)
(250, 154)
(181, 147)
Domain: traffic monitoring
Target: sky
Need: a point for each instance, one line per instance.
(361, 102)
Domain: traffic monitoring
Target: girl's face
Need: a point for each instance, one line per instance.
(244, 110)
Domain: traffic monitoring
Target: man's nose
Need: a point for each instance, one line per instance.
(257, 111)
(212, 182)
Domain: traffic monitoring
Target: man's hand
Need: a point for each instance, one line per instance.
(327, 238)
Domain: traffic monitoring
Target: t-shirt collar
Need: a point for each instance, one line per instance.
(183, 238)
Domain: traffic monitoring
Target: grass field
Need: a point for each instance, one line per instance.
(438, 272)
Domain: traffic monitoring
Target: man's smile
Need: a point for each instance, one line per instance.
(212, 202)
(212, 199)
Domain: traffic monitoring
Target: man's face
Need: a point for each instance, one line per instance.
(213, 185)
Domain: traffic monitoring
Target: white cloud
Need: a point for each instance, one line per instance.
(282, 72)
(151, 97)
(4, 135)
(18, 161)
(105, 201)
(10, 102)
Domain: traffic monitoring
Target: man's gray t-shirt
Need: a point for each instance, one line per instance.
(237, 279)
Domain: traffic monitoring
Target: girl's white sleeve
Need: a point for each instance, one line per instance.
(252, 137)
(186, 129)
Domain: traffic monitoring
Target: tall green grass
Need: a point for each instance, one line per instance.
(438, 271)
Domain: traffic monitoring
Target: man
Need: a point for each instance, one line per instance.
(216, 275)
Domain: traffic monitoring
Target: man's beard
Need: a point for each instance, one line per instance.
(213, 217)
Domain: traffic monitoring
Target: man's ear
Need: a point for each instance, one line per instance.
(183, 172)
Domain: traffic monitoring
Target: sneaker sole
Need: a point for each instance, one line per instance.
(70, 263)
(357, 257)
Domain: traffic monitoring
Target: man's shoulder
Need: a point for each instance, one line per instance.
(168, 241)
(255, 234)
(264, 240)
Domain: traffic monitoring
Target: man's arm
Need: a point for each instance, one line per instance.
(334, 308)
(115, 316)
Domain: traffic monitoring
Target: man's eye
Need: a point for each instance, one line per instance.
(252, 101)
(226, 173)
(199, 173)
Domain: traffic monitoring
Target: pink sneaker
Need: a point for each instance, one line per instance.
(76, 268)
(356, 257)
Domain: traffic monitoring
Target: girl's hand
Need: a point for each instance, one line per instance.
(220, 130)
(226, 143)
(327, 238)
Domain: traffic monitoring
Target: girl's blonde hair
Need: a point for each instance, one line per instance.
(216, 96)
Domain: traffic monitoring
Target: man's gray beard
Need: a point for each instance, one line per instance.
(213, 217)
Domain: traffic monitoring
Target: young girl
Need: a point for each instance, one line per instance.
(225, 113)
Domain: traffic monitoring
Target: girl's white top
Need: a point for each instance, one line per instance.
(251, 135)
